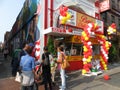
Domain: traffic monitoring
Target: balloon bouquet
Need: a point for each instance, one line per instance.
(65, 16)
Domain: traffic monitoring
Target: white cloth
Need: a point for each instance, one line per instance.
(18, 77)
(27, 78)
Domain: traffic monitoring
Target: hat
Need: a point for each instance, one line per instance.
(31, 44)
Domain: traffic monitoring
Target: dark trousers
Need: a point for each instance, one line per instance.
(5, 56)
(27, 87)
(47, 81)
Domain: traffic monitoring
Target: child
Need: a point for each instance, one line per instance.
(53, 68)
(38, 75)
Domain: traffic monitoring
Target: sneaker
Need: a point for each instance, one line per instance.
(62, 88)
(66, 76)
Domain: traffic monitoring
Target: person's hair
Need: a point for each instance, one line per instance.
(45, 48)
(61, 48)
(29, 50)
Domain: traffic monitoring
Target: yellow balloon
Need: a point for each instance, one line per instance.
(106, 68)
(105, 65)
(68, 16)
(64, 19)
(62, 22)
(84, 71)
(103, 62)
(86, 38)
(88, 60)
(83, 33)
(85, 49)
(84, 62)
(114, 30)
(108, 33)
(90, 57)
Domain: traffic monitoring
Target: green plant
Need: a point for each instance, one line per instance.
(112, 53)
(50, 44)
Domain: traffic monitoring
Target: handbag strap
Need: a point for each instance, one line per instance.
(63, 56)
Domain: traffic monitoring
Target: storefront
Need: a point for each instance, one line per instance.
(38, 27)
(73, 45)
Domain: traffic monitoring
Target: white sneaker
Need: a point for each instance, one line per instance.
(61, 88)
(66, 76)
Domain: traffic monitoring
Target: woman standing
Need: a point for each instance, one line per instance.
(27, 66)
(60, 58)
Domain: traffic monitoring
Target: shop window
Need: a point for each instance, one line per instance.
(74, 49)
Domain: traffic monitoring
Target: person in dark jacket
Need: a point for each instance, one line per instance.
(46, 70)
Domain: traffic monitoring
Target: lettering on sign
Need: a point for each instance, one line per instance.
(59, 30)
(83, 20)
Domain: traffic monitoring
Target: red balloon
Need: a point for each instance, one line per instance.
(89, 65)
(64, 14)
(61, 12)
(65, 8)
(87, 69)
(106, 77)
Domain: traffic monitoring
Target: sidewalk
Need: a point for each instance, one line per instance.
(74, 77)
(112, 69)
(12, 85)
(9, 84)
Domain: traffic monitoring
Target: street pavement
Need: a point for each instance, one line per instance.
(75, 80)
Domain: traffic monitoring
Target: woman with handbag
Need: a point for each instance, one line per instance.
(27, 67)
(60, 59)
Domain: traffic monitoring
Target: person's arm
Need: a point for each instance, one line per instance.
(33, 65)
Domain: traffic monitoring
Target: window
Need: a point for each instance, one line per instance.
(104, 16)
(113, 3)
(112, 19)
(74, 49)
(119, 23)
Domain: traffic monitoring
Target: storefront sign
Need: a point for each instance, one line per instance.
(76, 39)
(105, 5)
(82, 20)
(59, 30)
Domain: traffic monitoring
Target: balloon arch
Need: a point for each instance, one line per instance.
(92, 28)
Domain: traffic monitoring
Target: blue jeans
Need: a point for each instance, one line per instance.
(63, 79)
